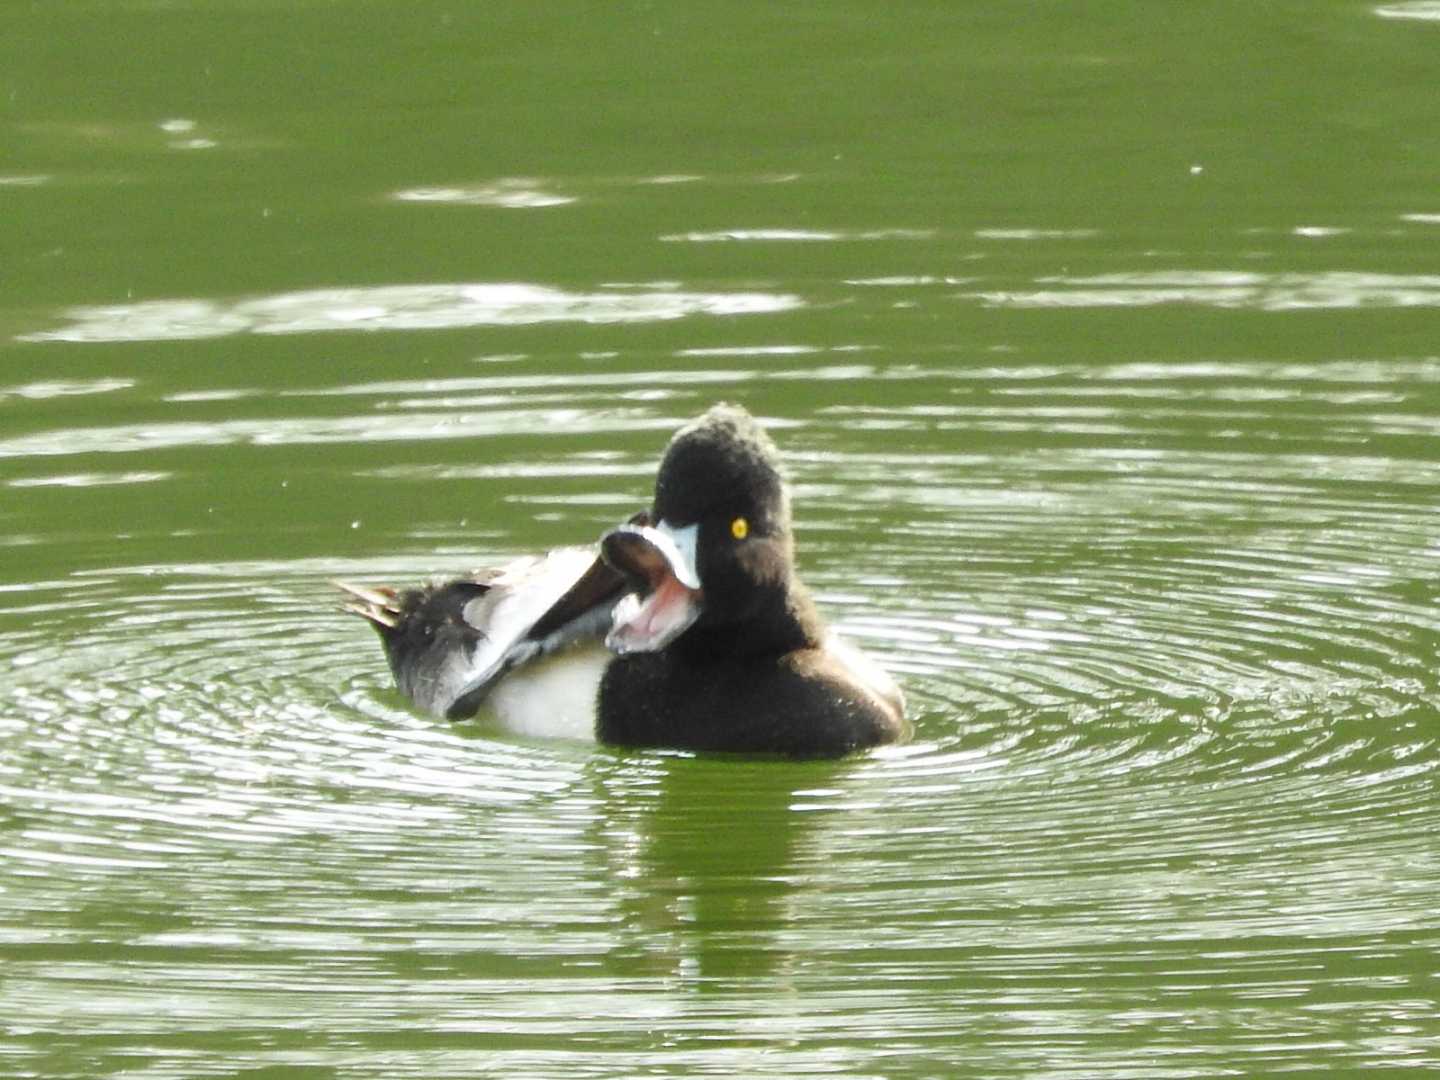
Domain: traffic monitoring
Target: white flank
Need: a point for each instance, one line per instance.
(553, 697)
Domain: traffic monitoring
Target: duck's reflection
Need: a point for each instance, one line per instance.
(708, 856)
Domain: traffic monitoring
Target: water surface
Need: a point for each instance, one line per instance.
(1100, 348)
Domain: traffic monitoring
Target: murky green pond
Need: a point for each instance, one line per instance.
(1103, 345)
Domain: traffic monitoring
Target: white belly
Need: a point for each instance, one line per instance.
(553, 697)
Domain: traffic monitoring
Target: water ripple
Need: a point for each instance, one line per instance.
(512, 193)
(796, 235)
(1174, 770)
(394, 307)
(1224, 289)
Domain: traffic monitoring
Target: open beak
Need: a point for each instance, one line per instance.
(659, 563)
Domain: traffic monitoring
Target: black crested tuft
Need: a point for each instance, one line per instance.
(722, 462)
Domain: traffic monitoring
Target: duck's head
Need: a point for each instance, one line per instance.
(716, 554)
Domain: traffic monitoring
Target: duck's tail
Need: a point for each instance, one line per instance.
(380, 604)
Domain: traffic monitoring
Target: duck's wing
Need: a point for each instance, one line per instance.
(448, 644)
(535, 608)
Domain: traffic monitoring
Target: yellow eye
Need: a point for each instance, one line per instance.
(739, 528)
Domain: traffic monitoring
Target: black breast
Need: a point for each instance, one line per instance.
(797, 705)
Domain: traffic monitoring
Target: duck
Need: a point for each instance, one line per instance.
(686, 627)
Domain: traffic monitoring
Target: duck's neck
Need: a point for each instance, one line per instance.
(784, 621)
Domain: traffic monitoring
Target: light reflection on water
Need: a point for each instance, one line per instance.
(511, 194)
(1285, 291)
(435, 307)
(395, 307)
(1423, 10)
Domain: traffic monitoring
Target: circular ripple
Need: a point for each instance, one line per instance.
(1174, 700)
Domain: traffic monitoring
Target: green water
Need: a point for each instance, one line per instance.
(1101, 344)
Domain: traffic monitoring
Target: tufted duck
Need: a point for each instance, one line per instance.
(713, 642)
